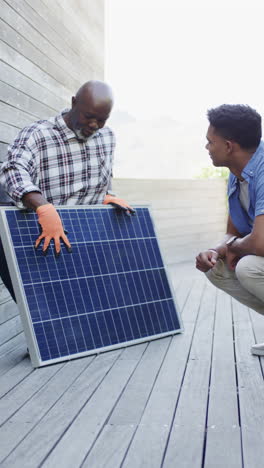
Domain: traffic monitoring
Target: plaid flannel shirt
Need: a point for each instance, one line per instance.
(46, 157)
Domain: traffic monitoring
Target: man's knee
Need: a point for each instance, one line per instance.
(247, 268)
(218, 273)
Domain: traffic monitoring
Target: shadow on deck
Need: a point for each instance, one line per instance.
(187, 401)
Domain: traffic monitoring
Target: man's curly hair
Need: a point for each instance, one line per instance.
(237, 122)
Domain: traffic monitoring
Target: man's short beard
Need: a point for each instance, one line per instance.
(80, 136)
(77, 131)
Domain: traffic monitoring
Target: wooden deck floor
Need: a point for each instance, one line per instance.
(189, 401)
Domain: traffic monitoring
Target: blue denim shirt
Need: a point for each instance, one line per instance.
(253, 173)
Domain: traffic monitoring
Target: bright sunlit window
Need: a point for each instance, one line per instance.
(168, 62)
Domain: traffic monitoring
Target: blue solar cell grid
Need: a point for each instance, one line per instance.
(111, 290)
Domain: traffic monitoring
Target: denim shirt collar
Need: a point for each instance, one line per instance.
(240, 217)
(249, 169)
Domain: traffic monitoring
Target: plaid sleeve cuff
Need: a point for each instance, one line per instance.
(20, 191)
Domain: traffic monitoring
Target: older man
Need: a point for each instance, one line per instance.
(236, 265)
(65, 160)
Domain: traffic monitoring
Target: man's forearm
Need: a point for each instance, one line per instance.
(247, 246)
(33, 200)
(221, 248)
(231, 231)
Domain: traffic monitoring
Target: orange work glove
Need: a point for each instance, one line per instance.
(52, 228)
(119, 203)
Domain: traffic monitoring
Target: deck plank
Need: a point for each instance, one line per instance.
(189, 312)
(251, 389)
(202, 340)
(251, 393)
(151, 435)
(257, 321)
(10, 328)
(131, 405)
(190, 417)
(184, 291)
(12, 352)
(185, 448)
(253, 443)
(17, 425)
(154, 441)
(4, 294)
(109, 449)
(45, 435)
(90, 422)
(20, 395)
(223, 448)
(223, 426)
(223, 405)
(8, 310)
(15, 376)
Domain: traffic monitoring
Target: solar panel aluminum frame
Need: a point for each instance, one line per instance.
(27, 323)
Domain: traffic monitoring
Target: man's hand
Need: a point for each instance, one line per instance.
(119, 203)
(206, 260)
(52, 228)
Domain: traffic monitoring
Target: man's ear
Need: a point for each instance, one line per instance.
(230, 146)
(73, 100)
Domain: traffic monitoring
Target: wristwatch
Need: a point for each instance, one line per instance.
(231, 240)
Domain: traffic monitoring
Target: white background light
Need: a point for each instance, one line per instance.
(168, 62)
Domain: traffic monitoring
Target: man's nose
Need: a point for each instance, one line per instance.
(93, 124)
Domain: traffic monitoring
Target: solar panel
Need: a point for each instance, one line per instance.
(112, 291)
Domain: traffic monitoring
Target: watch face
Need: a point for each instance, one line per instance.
(231, 240)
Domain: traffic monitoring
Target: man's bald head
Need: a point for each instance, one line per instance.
(91, 107)
(96, 91)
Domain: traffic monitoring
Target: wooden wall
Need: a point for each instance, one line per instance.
(48, 48)
(190, 215)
